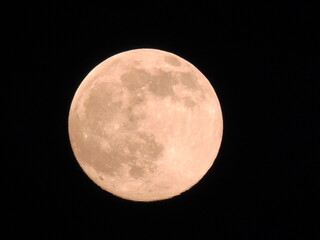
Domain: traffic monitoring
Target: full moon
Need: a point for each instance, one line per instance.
(145, 125)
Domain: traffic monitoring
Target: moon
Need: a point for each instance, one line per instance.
(145, 125)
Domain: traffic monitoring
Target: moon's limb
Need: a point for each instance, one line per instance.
(145, 125)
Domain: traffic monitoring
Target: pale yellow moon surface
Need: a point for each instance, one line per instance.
(145, 125)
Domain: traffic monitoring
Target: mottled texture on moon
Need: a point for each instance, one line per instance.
(145, 125)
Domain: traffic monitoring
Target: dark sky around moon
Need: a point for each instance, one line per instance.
(263, 61)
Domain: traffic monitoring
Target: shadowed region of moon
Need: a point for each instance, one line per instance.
(145, 125)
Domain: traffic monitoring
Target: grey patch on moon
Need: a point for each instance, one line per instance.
(140, 151)
(149, 148)
(101, 178)
(132, 118)
(159, 84)
(188, 102)
(195, 91)
(132, 113)
(174, 61)
(101, 105)
(139, 82)
(137, 98)
(136, 171)
(135, 79)
(189, 81)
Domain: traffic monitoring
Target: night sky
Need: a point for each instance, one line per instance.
(262, 60)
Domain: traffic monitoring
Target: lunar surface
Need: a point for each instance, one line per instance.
(145, 125)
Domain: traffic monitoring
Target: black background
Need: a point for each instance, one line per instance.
(263, 61)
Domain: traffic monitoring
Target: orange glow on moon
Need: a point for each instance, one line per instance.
(145, 125)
